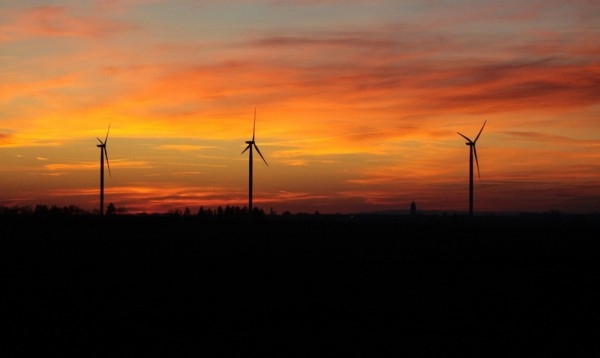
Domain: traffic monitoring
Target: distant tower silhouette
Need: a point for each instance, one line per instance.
(413, 208)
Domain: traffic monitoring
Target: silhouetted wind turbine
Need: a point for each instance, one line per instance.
(472, 150)
(103, 154)
(251, 144)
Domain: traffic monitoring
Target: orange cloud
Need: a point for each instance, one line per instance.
(52, 21)
(185, 147)
(95, 165)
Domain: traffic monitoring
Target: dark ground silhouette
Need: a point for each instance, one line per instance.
(294, 286)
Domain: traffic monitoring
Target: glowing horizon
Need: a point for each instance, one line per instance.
(358, 104)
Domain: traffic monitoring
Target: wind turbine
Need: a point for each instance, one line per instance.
(103, 154)
(472, 150)
(252, 143)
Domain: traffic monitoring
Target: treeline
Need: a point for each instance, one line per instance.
(73, 210)
(43, 210)
(227, 212)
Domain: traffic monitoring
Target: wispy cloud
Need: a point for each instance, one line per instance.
(95, 165)
(5, 138)
(52, 21)
(541, 137)
(185, 147)
(342, 41)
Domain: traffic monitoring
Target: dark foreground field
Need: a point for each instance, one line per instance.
(406, 286)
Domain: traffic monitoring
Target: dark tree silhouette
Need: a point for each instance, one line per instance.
(111, 209)
(41, 209)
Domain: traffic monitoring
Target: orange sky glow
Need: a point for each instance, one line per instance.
(358, 104)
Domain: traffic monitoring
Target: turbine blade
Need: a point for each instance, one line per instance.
(259, 153)
(464, 136)
(99, 140)
(107, 163)
(105, 139)
(476, 160)
(248, 147)
(481, 130)
(254, 127)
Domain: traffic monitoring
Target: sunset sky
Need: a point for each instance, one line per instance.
(358, 103)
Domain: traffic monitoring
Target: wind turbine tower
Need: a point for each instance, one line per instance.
(472, 150)
(251, 144)
(103, 154)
